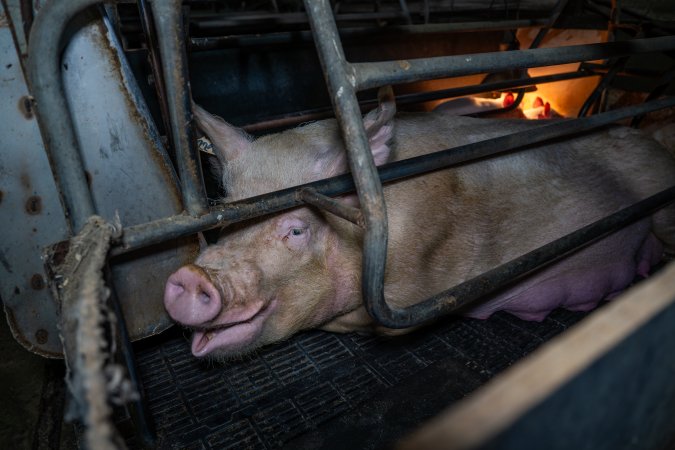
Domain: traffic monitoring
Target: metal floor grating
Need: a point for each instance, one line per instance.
(324, 390)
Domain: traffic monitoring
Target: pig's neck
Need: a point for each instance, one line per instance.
(343, 260)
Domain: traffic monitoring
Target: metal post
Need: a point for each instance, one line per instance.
(369, 189)
(169, 25)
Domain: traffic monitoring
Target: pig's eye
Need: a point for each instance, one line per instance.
(297, 231)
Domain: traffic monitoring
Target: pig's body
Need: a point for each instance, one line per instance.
(300, 269)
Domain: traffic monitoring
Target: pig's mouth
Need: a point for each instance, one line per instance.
(233, 336)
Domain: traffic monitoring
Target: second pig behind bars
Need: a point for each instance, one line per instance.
(266, 279)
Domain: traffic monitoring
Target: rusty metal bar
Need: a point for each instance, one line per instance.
(148, 26)
(56, 124)
(374, 74)
(368, 187)
(335, 207)
(169, 25)
(80, 287)
(143, 235)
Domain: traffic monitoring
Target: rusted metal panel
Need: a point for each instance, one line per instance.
(30, 212)
(127, 168)
(128, 173)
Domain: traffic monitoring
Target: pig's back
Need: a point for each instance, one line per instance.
(456, 223)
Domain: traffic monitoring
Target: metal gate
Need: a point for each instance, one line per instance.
(77, 255)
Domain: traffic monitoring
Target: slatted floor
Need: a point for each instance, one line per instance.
(324, 390)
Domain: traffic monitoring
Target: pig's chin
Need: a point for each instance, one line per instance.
(233, 338)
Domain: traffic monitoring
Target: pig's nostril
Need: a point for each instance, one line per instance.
(190, 297)
(204, 297)
(176, 288)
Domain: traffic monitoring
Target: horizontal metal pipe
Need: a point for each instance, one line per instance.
(333, 206)
(142, 235)
(488, 87)
(56, 124)
(374, 74)
(169, 26)
(417, 97)
(294, 37)
(474, 289)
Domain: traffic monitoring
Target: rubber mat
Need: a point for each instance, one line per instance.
(324, 390)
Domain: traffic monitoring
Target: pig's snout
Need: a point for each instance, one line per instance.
(190, 297)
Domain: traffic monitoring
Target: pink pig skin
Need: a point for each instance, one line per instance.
(269, 278)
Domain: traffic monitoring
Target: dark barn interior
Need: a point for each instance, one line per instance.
(124, 73)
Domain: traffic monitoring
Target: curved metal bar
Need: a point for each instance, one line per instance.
(54, 118)
(369, 188)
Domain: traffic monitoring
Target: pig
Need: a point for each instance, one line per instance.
(268, 278)
(493, 108)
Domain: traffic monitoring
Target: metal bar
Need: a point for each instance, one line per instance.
(56, 125)
(523, 73)
(312, 197)
(373, 74)
(138, 407)
(155, 64)
(661, 86)
(169, 26)
(406, 11)
(142, 235)
(605, 81)
(536, 42)
(295, 37)
(368, 185)
(472, 290)
(418, 97)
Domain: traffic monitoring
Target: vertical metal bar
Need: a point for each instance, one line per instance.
(554, 18)
(406, 11)
(661, 87)
(138, 407)
(170, 30)
(604, 84)
(149, 31)
(341, 84)
(56, 125)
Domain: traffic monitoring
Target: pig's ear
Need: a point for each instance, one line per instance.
(379, 125)
(228, 141)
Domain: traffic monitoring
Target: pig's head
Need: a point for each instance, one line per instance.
(267, 279)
